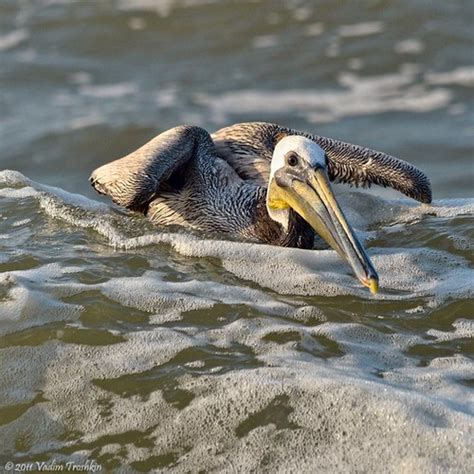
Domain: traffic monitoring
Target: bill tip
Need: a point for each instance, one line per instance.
(373, 286)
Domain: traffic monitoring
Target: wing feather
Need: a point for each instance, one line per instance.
(248, 148)
(134, 180)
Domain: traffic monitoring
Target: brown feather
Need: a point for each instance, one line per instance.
(248, 148)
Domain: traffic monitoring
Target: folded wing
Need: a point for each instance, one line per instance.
(135, 180)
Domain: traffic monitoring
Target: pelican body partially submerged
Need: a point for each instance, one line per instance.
(258, 182)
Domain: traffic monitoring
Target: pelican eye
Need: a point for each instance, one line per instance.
(292, 159)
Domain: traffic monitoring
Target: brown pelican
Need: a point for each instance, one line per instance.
(256, 181)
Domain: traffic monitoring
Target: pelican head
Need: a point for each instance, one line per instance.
(299, 180)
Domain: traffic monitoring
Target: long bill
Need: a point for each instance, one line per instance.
(312, 198)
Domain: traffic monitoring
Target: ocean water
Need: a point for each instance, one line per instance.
(144, 349)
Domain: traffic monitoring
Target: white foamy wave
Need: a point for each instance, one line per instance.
(463, 328)
(17, 185)
(437, 380)
(290, 377)
(433, 275)
(367, 209)
(322, 411)
(32, 298)
(151, 293)
(20, 193)
(429, 274)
